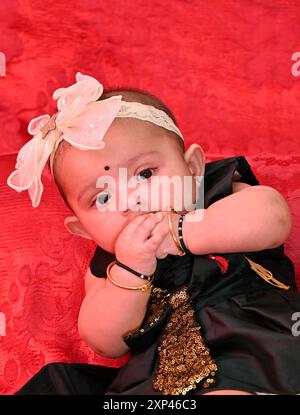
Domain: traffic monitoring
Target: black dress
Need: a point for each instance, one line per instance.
(212, 323)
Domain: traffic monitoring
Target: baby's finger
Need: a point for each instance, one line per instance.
(136, 222)
(156, 239)
(144, 230)
(158, 227)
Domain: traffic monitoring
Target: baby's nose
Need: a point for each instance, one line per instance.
(129, 209)
(133, 204)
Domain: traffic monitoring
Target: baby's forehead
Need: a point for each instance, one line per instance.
(70, 160)
(125, 141)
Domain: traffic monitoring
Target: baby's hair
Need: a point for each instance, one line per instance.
(144, 97)
(129, 95)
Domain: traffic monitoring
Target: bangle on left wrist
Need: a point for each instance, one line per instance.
(180, 235)
(175, 238)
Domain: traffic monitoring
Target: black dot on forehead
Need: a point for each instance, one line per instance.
(106, 167)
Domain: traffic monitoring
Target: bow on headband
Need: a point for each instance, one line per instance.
(77, 121)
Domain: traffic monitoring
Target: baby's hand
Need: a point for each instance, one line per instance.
(137, 244)
(167, 245)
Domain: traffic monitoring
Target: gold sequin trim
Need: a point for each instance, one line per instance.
(184, 360)
(156, 304)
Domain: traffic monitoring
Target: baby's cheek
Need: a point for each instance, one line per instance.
(104, 230)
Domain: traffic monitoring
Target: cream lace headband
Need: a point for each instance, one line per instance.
(82, 121)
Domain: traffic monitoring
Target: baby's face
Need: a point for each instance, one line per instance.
(145, 151)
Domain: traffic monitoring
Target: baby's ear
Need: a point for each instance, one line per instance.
(195, 158)
(73, 225)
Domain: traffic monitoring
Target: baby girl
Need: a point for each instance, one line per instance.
(163, 260)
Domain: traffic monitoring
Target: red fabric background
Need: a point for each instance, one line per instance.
(224, 68)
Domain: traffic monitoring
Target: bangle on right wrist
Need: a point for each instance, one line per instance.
(143, 288)
(142, 276)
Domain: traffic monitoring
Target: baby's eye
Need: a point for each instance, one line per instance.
(146, 173)
(102, 198)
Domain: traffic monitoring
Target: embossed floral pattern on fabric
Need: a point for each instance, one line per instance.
(241, 96)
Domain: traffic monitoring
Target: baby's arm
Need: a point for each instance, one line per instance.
(252, 218)
(109, 312)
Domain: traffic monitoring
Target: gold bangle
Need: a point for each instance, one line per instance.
(142, 287)
(180, 251)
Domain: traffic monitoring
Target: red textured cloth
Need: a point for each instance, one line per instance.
(42, 270)
(223, 67)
